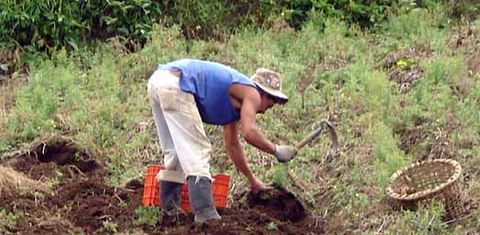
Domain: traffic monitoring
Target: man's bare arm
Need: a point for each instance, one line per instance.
(250, 131)
(235, 150)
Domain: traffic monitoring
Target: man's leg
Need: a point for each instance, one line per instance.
(169, 187)
(192, 146)
(201, 199)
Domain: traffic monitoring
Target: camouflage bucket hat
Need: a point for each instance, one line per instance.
(271, 83)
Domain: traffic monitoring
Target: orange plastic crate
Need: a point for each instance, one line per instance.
(150, 186)
(220, 189)
(151, 189)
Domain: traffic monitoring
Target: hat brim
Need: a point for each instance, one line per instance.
(280, 97)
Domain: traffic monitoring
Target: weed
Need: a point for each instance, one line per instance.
(349, 198)
(109, 226)
(426, 220)
(8, 220)
(469, 116)
(280, 175)
(272, 226)
(4, 147)
(147, 215)
(432, 95)
(122, 204)
(56, 177)
(417, 26)
(388, 158)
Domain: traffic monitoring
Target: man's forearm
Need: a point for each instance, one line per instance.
(254, 137)
(237, 154)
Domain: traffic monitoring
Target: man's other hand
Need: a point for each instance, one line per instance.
(258, 186)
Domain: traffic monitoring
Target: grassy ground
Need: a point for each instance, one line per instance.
(410, 91)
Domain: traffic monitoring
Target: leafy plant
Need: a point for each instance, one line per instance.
(280, 175)
(8, 220)
(147, 215)
(388, 158)
(426, 220)
(109, 226)
(4, 147)
(349, 197)
(272, 226)
(46, 25)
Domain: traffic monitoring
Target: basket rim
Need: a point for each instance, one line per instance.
(423, 193)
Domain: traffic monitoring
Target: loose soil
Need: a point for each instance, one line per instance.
(82, 202)
(403, 66)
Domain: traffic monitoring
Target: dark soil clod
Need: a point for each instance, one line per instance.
(60, 153)
(134, 184)
(86, 166)
(279, 203)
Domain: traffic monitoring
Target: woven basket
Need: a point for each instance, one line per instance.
(429, 180)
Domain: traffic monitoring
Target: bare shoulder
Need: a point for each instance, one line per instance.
(242, 92)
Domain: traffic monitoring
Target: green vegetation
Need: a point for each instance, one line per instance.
(109, 227)
(49, 25)
(426, 220)
(147, 215)
(8, 220)
(393, 84)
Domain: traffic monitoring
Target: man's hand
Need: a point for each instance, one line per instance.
(258, 186)
(285, 153)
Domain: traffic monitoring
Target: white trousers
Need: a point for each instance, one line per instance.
(186, 148)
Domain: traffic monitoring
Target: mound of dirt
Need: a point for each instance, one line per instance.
(278, 203)
(403, 66)
(81, 202)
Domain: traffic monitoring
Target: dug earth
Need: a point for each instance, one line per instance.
(82, 202)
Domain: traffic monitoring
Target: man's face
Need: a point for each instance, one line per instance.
(266, 103)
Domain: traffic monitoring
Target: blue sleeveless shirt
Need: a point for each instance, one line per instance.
(210, 82)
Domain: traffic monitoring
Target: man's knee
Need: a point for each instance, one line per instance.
(171, 175)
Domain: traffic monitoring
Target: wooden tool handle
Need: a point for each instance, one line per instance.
(312, 135)
(309, 138)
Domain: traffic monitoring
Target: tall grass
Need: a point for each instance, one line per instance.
(417, 27)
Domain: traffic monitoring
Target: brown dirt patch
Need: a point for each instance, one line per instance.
(403, 66)
(426, 144)
(473, 64)
(278, 203)
(464, 36)
(82, 202)
(60, 158)
(306, 78)
(412, 141)
(424, 140)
